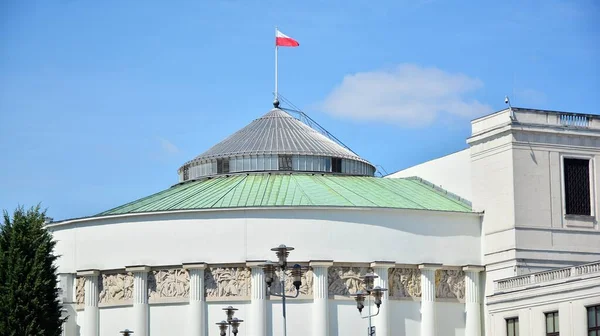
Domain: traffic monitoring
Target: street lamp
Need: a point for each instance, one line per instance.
(376, 292)
(232, 322)
(282, 252)
(126, 332)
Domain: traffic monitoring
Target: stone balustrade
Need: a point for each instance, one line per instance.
(533, 279)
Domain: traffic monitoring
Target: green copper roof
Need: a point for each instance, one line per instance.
(289, 190)
(271, 190)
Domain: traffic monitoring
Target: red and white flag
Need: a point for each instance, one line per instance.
(282, 40)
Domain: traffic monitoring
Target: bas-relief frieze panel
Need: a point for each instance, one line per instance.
(236, 281)
(227, 282)
(404, 283)
(346, 280)
(306, 288)
(80, 290)
(168, 283)
(115, 288)
(450, 284)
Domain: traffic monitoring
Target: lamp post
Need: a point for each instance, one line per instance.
(270, 267)
(233, 322)
(126, 332)
(376, 292)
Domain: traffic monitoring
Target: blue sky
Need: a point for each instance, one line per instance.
(102, 101)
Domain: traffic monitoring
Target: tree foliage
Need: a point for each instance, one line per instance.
(29, 302)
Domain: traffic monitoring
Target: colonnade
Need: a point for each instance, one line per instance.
(257, 314)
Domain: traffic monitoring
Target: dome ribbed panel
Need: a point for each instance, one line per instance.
(277, 133)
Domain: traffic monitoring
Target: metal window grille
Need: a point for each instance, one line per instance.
(222, 166)
(593, 321)
(552, 324)
(577, 187)
(336, 165)
(285, 162)
(512, 326)
(186, 173)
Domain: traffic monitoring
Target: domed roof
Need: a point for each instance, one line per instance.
(276, 142)
(277, 132)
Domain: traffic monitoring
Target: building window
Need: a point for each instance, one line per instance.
(552, 324)
(186, 173)
(222, 166)
(577, 187)
(593, 321)
(336, 165)
(512, 326)
(285, 162)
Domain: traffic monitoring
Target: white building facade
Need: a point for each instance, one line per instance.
(533, 175)
(459, 242)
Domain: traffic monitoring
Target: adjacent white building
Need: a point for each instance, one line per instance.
(533, 176)
(497, 239)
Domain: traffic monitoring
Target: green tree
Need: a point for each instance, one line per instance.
(29, 302)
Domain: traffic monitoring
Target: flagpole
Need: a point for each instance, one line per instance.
(276, 101)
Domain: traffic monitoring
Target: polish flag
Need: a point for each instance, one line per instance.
(282, 40)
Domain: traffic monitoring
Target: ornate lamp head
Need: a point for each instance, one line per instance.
(297, 276)
(360, 300)
(229, 311)
(269, 269)
(369, 279)
(223, 327)
(235, 324)
(377, 293)
(282, 253)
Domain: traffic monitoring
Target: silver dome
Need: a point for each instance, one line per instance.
(276, 141)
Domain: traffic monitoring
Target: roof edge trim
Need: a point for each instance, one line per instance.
(149, 213)
(440, 190)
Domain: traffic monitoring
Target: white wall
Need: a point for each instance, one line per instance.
(517, 182)
(570, 299)
(115, 319)
(404, 236)
(344, 319)
(299, 316)
(451, 172)
(405, 318)
(168, 319)
(493, 194)
(544, 236)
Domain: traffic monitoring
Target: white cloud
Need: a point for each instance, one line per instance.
(408, 95)
(168, 147)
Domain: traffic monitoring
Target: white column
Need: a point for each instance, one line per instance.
(320, 309)
(140, 299)
(90, 310)
(472, 301)
(382, 321)
(428, 299)
(197, 307)
(257, 323)
(66, 283)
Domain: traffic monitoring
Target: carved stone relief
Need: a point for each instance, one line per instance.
(405, 282)
(80, 291)
(169, 283)
(450, 284)
(115, 288)
(227, 282)
(306, 288)
(346, 280)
